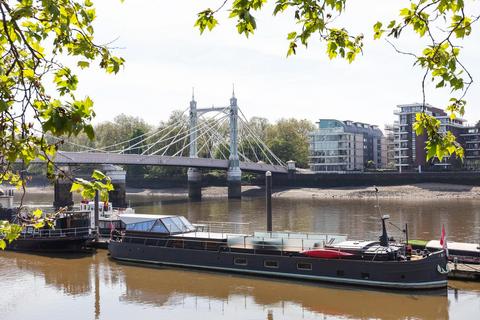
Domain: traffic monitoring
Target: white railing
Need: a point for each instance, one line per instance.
(222, 227)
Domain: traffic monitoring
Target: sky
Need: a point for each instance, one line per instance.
(166, 56)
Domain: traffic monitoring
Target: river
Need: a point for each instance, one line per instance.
(94, 287)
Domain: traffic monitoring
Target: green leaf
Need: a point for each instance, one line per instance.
(98, 175)
(83, 64)
(37, 213)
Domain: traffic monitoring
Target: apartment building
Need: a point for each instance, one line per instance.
(338, 146)
(409, 149)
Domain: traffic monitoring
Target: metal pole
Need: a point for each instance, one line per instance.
(96, 209)
(268, 195)
(406, 232)
(193, 128)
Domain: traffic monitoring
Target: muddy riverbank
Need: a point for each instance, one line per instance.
(414, 191)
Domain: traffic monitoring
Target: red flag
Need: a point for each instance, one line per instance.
(443, 239)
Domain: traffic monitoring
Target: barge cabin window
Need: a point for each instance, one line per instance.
(304, 266)
(141, 226)
(270, 263)
(240, 261)
(165, 225)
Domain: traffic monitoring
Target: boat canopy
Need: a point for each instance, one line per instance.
(157, 223)
(460, 246)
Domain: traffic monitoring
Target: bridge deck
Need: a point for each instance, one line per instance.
(63, 157)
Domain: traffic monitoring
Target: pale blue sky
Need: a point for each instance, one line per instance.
(166, 56)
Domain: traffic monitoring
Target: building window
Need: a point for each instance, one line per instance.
(270, 264)
(304, 266)
(240, 261)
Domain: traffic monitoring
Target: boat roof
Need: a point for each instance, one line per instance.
(209, 235)
(462, 246)
(137, 217)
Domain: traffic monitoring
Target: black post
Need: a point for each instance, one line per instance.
(96, 209)
(406, 233)
(268, 195)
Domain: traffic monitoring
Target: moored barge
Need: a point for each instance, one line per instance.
(174, 241)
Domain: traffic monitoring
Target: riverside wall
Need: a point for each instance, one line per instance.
(324, 180)
(314, 180)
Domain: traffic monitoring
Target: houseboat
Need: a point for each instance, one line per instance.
(108, 216)
(461, 252)
(71, 232)
(174, 241)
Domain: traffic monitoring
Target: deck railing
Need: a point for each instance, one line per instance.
(223, 227)
(31, 232)
(230, 243)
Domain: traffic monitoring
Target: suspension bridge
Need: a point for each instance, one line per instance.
(197, 138)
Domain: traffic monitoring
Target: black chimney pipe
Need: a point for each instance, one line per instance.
(384, 236)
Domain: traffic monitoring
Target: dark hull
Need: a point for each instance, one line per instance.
(420, 274)
(50, 245)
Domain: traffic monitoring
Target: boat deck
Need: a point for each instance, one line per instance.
(463, 271)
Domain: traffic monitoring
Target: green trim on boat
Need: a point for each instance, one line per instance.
(418, 243)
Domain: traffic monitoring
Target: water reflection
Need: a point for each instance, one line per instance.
(166, 288)
(96, 287)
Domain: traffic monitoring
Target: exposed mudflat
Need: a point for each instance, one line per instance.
(415, 191)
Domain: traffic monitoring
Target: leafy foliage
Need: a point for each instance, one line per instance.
(100, 182)
(35, 37)
(288, 139)
(441, 21)
(314, 18)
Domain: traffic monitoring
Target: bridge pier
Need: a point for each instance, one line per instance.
(118, 196)
(234, 183)
(62, 197)
(291, 172)
(194, 177)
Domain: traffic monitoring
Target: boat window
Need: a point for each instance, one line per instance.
(171, 225)
(365, 275)
(240, 261)
(180, 224)
(304, 266)
(340, 273)
(159, 227)
(141, 226)
(187, 223)
(270, 263)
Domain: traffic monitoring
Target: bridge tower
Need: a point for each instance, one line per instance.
(234, 174)
(194, 175)
(118, 196)
(62, 197)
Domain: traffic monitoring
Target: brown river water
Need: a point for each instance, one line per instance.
(95, 287)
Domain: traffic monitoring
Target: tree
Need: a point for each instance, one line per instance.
(444, 23)
(36, 37)
(288, 139)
